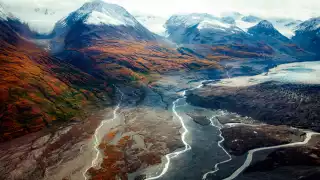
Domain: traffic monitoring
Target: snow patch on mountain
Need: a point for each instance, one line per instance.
(98, 18)
(212, 24)
(179, 24)
(265, 24)
(309, 25)
(201, 21)
(285, 26)
(96, 12)
(188, 20)
(100, 12)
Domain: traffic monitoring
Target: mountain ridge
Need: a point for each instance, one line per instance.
(308, 35)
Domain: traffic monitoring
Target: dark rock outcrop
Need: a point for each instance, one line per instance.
(240, 139)
(289, 163)
(274, 103)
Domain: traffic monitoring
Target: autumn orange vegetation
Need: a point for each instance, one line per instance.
(36, 89)
(132, 60)
(113, 165)
(117, 163)
(242, 51)
(295, 47)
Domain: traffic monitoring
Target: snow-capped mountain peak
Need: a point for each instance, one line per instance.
(265, 30)
(96, 12)
(98, 18)
(309, 25)
(100, 12)
(187, 20)
(265, 24)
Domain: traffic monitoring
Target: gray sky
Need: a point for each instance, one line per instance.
(298, 9)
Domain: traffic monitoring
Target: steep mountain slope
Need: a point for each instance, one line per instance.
(38, 90)
(307, 35)
(264, 31)
(97, 20)
(267, 29)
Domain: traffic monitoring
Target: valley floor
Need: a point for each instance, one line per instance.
(150, 122)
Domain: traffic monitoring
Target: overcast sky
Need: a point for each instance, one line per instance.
(298, 9)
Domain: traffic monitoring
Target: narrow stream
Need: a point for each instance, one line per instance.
(215, 122)
(99, 133)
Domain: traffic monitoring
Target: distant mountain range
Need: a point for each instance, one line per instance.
(228, 21)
